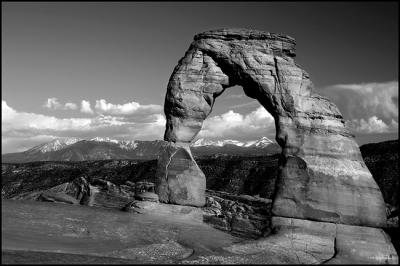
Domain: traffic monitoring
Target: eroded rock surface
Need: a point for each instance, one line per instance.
(242, 215)
(98, 193)
(299, 241)
(180, 180)
(75, 192)
(322, 176)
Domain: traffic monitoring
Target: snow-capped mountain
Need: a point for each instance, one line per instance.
(263, 142)
(60, 143)
(260, 147)
(76, 149)
(123, 144)
(54, 145)
(203, 142)
(107, 139)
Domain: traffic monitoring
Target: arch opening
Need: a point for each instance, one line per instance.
(235, 116)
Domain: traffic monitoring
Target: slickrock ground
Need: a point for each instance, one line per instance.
(245, 175)
(163, 237)
(162, 233)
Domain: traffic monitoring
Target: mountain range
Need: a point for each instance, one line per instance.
(75, 149)
(263, 142)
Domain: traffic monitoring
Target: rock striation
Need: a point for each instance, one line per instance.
(243, 215)
(179, 178)
(322, 176)
(307, 242)
(97, 193)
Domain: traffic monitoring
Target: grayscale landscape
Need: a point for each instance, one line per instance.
(200, 133)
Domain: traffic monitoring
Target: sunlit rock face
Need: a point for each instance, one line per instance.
(298, 241)
(179, 179)
(322, 174)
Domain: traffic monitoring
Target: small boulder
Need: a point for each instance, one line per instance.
(212, 203)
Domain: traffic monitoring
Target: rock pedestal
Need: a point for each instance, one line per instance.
(322, 175)
(179, 179)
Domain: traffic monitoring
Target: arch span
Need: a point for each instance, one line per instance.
(322, 175)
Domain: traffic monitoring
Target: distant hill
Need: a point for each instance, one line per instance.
(250, 175)
(232, 174)
(73, 149)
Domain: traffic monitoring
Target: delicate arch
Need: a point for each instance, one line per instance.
(322, 175)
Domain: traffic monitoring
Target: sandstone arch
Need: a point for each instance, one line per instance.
(322, 174)
(327, 207)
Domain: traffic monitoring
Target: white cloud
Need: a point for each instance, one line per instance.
(369, 108)
(153, 129)
(105, 108)
(19, 144)
(372, 125)
(85, 107)
(21, 130)
(125, 109)
(237, 126)
(70, 106)
(365, 100)
(13, 121)
(53, 103)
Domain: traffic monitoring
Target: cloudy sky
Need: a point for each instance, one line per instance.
(101, 69)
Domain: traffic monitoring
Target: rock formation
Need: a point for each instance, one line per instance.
(180, 179)
(243, 215)
(322, 175)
